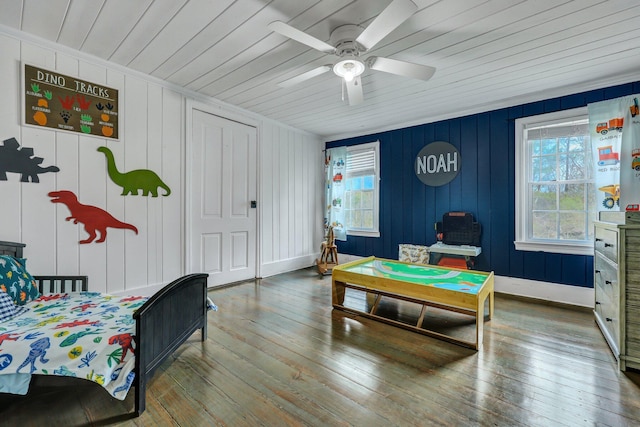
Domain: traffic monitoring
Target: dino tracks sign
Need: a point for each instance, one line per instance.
(66, 103)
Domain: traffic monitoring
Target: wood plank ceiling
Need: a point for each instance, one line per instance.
(488, 53)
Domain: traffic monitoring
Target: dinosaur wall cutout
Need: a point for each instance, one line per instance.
(132, 181)
(95, 220)
(20, 160)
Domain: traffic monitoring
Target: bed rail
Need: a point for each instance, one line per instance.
(62, 284)
(47, 284)
(11, 248)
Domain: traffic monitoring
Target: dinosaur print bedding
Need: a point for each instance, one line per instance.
(86, 335)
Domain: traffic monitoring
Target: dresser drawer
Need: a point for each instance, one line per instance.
(609, 313)
(606, 277)
(606, 242)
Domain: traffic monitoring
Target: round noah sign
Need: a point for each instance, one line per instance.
(437, 163)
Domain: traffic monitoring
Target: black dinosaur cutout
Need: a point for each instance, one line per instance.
(20, 160)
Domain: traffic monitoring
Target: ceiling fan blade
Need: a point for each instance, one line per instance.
(300, 36)
(401, 68)
(391, 17)
(354, 91)
(305, 76)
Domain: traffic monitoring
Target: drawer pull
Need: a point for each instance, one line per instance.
(598, 271)
(609, 319)
(608, 245)
(598, 303)
(598, 239)
(608, 282)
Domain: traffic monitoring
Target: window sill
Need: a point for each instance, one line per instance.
(559, 248)
(362, 233)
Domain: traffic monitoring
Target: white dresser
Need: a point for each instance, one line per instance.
(617, 284)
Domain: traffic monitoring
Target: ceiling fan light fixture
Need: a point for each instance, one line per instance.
(349, 69)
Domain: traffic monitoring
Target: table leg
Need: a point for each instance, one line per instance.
(423, 310)
(374, 307)
(479, 322)
(337, 292)
(491, 303)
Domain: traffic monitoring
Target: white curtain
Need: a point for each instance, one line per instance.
(615, 138)
(335, 164)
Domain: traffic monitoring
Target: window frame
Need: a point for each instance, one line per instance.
(375, 232)
(522, 208)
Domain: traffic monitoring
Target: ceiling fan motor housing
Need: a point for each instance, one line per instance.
(343, 38)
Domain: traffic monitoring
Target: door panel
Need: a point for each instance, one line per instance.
(211, 248)
(239, 250)
(224, 182)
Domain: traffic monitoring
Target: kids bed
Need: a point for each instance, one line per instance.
(116, 341)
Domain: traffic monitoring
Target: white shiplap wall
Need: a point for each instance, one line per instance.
(152, 136)
(291, 184)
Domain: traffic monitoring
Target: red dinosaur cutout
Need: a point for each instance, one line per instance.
(94, 219)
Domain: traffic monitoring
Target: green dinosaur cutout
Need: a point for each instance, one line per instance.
(132, 181)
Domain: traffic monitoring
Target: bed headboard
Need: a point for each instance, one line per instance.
(47, 284)
(12, 248)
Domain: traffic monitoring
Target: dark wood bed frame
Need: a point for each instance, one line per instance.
(163, 323)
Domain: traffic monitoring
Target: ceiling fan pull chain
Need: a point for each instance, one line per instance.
(342, 86)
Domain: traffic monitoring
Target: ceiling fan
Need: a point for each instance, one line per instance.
(348, 42)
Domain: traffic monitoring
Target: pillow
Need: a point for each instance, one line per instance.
(16, 281)
(415, 254)
(8, 309)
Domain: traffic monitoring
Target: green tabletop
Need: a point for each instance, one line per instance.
(460, 281)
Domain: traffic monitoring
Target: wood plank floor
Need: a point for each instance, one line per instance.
(278, 355)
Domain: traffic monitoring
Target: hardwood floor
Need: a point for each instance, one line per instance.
(277, 354)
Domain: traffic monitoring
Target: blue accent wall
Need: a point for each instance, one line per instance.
(485, 186)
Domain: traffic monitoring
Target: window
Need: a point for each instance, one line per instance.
(361, 190)
(555, 197)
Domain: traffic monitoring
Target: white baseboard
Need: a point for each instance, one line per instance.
(284, 266)
(555, 292)
(566, 294)
(267, 270)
